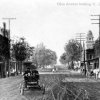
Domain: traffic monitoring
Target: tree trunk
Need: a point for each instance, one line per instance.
(99, 62)
(72, 65)
(22, 67)
(2, 69)
(68, 63)
(5, 69)
(16, 67)
(8, 65)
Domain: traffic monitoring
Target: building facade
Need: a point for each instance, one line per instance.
(4, 50)
(89, 40)
(90, 61)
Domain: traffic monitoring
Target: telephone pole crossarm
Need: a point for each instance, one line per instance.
(94, 19)
(95, 15)
(97, 23)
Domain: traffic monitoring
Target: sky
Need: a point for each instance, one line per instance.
(51, 22)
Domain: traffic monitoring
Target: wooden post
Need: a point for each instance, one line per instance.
(22, 68)
(15, 67)
(99, 63)
(8, 65)
(5, 69)
(87, 65)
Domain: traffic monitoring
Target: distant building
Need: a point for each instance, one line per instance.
(90, 53)
(90, 60)
(89, 40)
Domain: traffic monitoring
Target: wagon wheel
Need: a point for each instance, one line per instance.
(43, 89)
(22, 90)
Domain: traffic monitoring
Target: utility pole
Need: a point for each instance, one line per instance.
(99, 32)
(81, 38)
(97, 23)
(9, 21)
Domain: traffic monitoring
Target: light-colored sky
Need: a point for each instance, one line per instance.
(52, 22)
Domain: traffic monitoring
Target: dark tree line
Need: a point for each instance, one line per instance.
(40, 56)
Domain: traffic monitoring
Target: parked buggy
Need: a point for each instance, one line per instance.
(31, 81)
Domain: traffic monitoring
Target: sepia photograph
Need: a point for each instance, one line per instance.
(49, 50)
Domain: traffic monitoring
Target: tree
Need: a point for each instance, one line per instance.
(38, 55)
(73, 51)
(43, 57)
(29, 52)
(20, 51)
(50, 57)
(63, 58)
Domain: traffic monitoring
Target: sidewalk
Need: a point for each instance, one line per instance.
(62, 72)
(81, 80)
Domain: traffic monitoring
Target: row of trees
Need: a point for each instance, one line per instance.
(43, 57)
(20, 51)
(39, 55)
(73, 52)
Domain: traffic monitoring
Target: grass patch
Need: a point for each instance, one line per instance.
(53, 81)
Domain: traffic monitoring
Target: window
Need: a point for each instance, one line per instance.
(90, 56)
(89, 38)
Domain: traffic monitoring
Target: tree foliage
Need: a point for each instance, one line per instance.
(64, 58)
(20, 50)
(43, 56)
(50, 57)
(73, 50)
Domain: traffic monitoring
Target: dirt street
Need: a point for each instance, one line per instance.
(9, 87)
(9, 90)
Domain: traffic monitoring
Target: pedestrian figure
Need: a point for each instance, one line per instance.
(96, 72)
